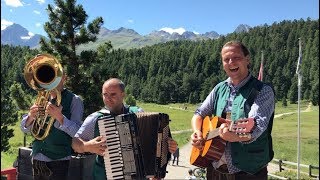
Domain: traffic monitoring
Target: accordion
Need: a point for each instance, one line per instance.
(137, 145)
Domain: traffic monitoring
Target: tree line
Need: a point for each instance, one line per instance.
(181, 71)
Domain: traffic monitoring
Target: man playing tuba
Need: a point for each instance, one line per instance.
(51, 153)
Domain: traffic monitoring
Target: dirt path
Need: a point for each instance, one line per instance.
(181, 171)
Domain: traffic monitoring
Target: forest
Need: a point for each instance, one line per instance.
(186, 71)
(173, 72)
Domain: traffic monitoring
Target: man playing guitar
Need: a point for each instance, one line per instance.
(241, 96)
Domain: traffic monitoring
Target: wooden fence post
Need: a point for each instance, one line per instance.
(310, 171)
(280, 165)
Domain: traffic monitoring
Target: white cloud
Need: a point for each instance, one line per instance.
(5, 24)
(41, 1)
(36, 12)
(13, 3)
(27, 37)
(38, 24)
(130, 21)
(171, 31)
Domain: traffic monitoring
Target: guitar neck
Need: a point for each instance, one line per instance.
(242, 127)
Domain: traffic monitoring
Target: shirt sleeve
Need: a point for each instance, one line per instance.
(206, 108)
(86, 131)
(72, 125)
(23, 127)
(262, 110)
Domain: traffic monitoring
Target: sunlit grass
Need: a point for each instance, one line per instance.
(284, 131)
(7, 158)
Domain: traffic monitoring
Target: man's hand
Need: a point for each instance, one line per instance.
(55, 112)
(227, 135)
(96, 145)
(33, 111)
(173, 145)
(197, 139)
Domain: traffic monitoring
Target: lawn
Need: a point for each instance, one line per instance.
(284, 131)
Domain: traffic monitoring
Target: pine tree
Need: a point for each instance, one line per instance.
(66, 30)
(9, 114)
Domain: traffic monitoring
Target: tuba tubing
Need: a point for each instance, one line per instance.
(43, 73)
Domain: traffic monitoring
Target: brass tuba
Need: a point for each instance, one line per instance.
(43, 73)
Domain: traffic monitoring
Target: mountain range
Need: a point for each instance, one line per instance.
(121, 38)
(17, 35)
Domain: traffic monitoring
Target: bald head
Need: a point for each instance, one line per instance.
(114, 82)
(113, 95)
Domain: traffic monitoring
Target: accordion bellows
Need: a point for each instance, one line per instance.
(137, 145)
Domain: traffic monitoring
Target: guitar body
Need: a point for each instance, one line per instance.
(197, 160)
(203, 158)
(213, 148)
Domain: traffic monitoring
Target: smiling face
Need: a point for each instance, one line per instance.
(235, 63)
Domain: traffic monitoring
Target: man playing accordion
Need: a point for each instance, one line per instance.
(88, 140)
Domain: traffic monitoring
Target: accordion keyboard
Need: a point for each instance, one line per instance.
(119, 157)
(137, 145)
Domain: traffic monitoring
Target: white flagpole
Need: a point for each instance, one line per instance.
(260, 75)
(262, 59)
(299, 93)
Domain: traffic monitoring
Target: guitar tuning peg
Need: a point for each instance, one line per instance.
(243, 135)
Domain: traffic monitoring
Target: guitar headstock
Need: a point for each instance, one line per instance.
(242, 126)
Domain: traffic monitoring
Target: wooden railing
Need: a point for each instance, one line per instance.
(310, 167)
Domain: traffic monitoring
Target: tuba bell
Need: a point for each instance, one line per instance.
(43, 73)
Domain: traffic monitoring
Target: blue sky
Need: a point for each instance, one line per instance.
(145, 16)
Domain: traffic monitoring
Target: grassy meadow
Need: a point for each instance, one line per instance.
(284, 131)
(285, 137)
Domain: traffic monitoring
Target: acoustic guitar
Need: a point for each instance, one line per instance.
(213, 145)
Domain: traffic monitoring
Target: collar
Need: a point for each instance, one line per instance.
(241, 84)
(105, 109)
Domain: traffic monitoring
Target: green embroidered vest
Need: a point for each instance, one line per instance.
(247, 157)
(99, 172)
(57, 144)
